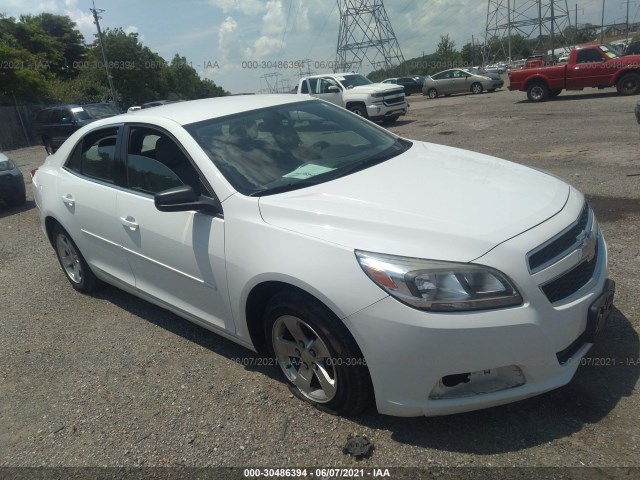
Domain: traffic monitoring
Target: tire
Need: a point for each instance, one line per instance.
(628, 84)
(537, 92)
(554, 93)
(359, 110)
(432, 93)
(48, 146)
(317, 355)
(73, 263)
(476, 88)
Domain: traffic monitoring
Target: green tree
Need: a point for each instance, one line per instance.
(446, 55)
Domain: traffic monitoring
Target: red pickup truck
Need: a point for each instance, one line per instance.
(596, 66)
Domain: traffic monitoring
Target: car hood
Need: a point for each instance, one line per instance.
(431, 202)
(377, 88)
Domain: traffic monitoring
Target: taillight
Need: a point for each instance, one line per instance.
(33, 172)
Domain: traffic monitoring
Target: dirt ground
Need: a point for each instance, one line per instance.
(112, 381)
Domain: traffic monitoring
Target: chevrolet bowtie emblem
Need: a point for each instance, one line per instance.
(587, 245)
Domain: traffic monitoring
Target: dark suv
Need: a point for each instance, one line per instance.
(633, 48)
(55, 124)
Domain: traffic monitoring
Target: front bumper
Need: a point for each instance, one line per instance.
(11, 185)
(379, 111)
(508, 355)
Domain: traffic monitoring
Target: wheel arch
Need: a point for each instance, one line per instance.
(356, 103)
(624, 72)
(50, 223)
(258, 297)
(535, 79)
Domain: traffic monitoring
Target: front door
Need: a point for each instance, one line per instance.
(177, 257)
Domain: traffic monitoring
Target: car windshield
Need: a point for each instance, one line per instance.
(96, 111)
(291, 146)
(475, 71)
(354, 80)
(610, 51)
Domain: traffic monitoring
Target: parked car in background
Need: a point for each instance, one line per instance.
(298, 229)
(633, 48)
(158, 103)
(517, 64)
(55, 124)
(410, 84)
(134, 108)
(12, 189)
(497, 68)
(484, 73)
(457, 80)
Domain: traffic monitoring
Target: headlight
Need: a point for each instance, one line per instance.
(378, 95)
(439, 286)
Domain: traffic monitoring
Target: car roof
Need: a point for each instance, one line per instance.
(194, 111)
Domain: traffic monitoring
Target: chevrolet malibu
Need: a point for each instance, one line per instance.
(425, 279)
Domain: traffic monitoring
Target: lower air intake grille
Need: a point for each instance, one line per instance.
(572, 281)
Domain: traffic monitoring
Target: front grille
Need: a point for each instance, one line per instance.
(394, 101)
(572, 281)
(561, 246)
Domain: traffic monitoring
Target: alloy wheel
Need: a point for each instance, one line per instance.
(69, 259)
(304, 358)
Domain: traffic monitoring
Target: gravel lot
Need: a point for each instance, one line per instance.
(109, 380)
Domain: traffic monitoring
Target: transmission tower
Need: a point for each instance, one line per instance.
(365, 34)
(540, 20)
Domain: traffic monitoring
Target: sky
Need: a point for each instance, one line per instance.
(236, 43)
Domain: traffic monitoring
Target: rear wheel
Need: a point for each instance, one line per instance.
(432, 93)
(476, 88)
(317, 354)
(537, 92)
(628, 84)
(73, 263)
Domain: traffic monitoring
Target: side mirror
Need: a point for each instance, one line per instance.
(333, 89)
(184, 199)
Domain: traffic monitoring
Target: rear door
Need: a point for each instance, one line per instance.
(87, 191)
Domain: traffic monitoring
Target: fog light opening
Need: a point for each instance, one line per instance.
(482, 382)
(453, 380)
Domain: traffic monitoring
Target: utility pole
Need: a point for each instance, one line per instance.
(104, 53)
(602, 24)
(627, 30)
(473, 51)
(553, 32)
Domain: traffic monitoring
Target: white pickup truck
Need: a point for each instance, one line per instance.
(355, 92)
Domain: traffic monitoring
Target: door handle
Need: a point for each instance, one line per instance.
(130, 223)
(68, 200)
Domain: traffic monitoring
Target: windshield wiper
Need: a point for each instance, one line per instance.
(287, 187)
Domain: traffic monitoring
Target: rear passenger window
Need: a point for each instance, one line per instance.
(95, 156)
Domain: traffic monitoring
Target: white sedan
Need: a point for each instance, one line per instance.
(425, 279)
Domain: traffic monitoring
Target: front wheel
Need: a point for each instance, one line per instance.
(432, 93)
(73, 263)
(476, 88)
(537, 92)
(359, 110)
(317, 354)
(628, 84)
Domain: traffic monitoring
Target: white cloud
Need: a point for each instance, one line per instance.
(275, 20)
(247, 7)
(131, 29)
(230, 44)
(265, 46)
